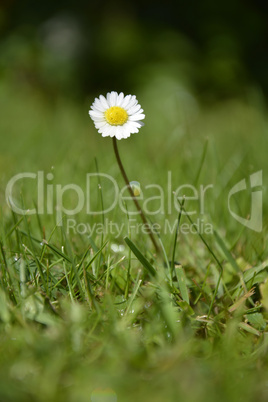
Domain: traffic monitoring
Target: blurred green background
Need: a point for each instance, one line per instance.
(84, 47)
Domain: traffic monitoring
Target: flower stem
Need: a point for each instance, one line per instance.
(121, 167)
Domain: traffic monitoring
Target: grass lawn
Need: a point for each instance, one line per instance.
(89, 311)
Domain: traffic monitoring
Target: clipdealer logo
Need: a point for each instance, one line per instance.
(255, 220)
(155, 200)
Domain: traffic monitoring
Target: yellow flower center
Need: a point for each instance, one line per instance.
(116, 116)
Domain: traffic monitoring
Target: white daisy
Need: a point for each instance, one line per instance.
(117, 115)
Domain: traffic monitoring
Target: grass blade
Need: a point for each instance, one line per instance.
(147, 265)
(180, 274)
(227, 253)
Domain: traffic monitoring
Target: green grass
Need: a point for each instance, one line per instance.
(82, 313)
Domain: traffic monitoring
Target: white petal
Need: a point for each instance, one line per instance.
(104, 102)
(97, 118)
(94, 113)
(116, 132)
(97, 108)
(120, 99)
(126, 133)
(133, 101)
(103, 127)
(98, 105)
(108, 97)
(134, 109)
(121, 133)
(136, 123)
(133, 127)
(112, 98)
(137, 116)
(113, 131)
(107, 131)
(100, 124)
(125, 101)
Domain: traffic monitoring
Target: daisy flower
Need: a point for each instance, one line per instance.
(117, 115)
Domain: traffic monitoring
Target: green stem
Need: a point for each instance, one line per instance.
(175, 241)
(121, 167)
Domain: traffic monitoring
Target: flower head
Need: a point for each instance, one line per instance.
(117, 115)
